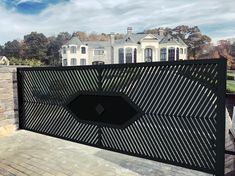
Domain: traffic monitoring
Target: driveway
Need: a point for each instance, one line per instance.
(28, 153)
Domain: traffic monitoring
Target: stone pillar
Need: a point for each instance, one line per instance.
(8, 100)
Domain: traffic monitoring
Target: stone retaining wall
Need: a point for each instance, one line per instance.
(8, 100)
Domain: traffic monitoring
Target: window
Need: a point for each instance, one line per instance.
(65, 62)
(98, 63)
(121, 55)
(171, 54)
(82, 61)
(64, 50)
(163, 54)
(73, 49)
(135, 55)
(83, 50)
(98, 52)
(177, 54)
(128, 55)
(73, 62)
(148, 55)
(181, 50)
(185, 51)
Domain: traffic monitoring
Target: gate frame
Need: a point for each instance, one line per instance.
(220, 137)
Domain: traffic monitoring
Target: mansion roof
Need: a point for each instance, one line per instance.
(173, 40)
(130, 39)
(98, 44)
(135, 38)
(74, 41)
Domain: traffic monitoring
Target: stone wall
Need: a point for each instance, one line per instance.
(8, 100)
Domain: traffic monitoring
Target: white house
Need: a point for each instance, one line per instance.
(74, 52)
(132, 48)
(4, 60)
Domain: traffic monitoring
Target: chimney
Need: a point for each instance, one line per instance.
(129, 31)
(161, 31)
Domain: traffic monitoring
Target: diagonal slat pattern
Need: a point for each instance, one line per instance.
(180, 105)
(55, 120)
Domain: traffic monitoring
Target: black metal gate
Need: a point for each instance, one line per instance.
(173, 112)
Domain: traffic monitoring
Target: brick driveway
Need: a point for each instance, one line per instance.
(28, 153)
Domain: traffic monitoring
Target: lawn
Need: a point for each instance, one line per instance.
(230, 86)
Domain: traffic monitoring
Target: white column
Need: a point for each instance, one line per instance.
(116, 55)
(143, 54)
(153, 54)
(156, 55)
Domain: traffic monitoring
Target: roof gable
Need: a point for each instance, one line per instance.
(74, 41)
(169, 39)
(149, 37)
(136, 38)
(3, 58)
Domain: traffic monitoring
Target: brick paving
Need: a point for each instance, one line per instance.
(26, 153)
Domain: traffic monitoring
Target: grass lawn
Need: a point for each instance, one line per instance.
(230, 86)
(231, 72)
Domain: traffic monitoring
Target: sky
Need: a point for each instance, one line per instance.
(215, 18)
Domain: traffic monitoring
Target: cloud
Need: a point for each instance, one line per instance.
(212, 16)
(17, 2)
(30, 7)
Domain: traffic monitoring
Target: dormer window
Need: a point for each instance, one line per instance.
(170, 39)
(83, 50)
(73, 49)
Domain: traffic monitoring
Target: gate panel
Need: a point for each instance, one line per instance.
(177, 109)
(44, 94)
